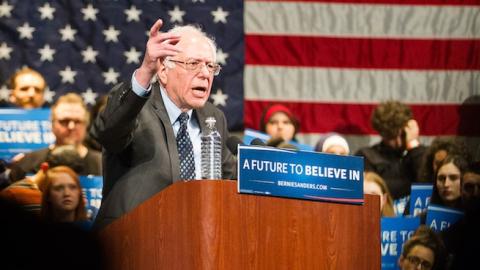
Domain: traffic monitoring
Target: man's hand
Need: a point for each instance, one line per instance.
(159, 46)
(412, 132)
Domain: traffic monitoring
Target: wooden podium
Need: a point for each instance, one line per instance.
(207, 225)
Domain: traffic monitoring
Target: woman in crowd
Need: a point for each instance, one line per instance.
(436, 153)
(333, 143)
(375, 185)
(279, 122)
(446, 189)
(62, 199)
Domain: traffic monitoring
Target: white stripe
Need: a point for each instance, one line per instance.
(444, 209)
(362, 20)
(359, 85)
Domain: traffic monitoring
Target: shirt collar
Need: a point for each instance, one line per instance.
(172, 110)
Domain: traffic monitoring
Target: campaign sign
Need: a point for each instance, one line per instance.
(420, 198)
(23, 131)
(439, 218)
(300, 174)
(251, 134)
(395, 231)
(92, 191)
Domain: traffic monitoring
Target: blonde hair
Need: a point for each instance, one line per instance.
(71, 98)
(387, 210)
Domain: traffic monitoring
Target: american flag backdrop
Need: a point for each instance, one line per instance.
(330, 61)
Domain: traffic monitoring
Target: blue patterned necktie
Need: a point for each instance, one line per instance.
(185, 149)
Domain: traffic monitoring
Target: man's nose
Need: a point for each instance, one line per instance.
(71, 124)
(31, 91)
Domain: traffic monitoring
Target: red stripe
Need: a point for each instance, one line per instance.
(389, 2)
(434, 120)
(362, 52)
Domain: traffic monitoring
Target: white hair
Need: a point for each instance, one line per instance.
(179, 29)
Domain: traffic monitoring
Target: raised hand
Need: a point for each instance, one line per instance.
(159, 46)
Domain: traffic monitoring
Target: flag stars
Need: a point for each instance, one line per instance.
(89, 55)
(68, 33)
(4, 93)
(111, 34)
(133, 14)
(89, 13)
(220, 15)
(89, 97)
(222, 57)
(46, 53)
(111, 76)
(176, 15)
(48, 95)
(5, 10)
(219, 98)
(26, 31)
(5, 51)
(133, 56)
(68, 75)
(46, 12)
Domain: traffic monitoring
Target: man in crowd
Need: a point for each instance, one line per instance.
(69, 124)
(150, 132)
(398, 157)
(27, 89)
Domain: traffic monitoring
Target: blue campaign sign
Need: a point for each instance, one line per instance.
(251, 134)
(92, 191)
(300, 174)
(395, 231)
(420, 198)
(439, 218)
(23, 130)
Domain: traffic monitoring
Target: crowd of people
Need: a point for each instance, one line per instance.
(139, 124)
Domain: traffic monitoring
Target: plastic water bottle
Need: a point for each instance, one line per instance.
(211, 151)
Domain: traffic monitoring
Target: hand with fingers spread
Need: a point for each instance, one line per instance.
(159, 46)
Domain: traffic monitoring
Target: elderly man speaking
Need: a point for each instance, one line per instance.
(141, 122)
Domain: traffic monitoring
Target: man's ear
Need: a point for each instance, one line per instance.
(162, 72)
(12, 98)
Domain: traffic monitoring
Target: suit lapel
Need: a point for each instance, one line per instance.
(160, 111)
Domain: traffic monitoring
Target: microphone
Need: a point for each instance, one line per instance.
(232, 144)
(258, 142)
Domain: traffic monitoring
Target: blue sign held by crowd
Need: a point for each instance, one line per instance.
(300, 174)
(420, 198)
(395, 231)
(92, 191)
(23, 131)
(439, 218)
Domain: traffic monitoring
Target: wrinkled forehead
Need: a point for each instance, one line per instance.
(195, 45)
(69, 110)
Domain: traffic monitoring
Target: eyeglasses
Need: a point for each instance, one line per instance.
(196, 65)
(66, 122)
(426, 265)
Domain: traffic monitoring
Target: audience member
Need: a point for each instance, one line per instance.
(279, 122)
(69, 125)
(436, 153)
(333, 143)
(424, 250)
(27, 89)
(462, 238)
(446, 190)
(280, 143)
(374, 184)
(398, 157)
(29, 243)
(27, 193)
(62, 198)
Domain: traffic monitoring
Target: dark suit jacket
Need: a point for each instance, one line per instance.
(140, 155)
